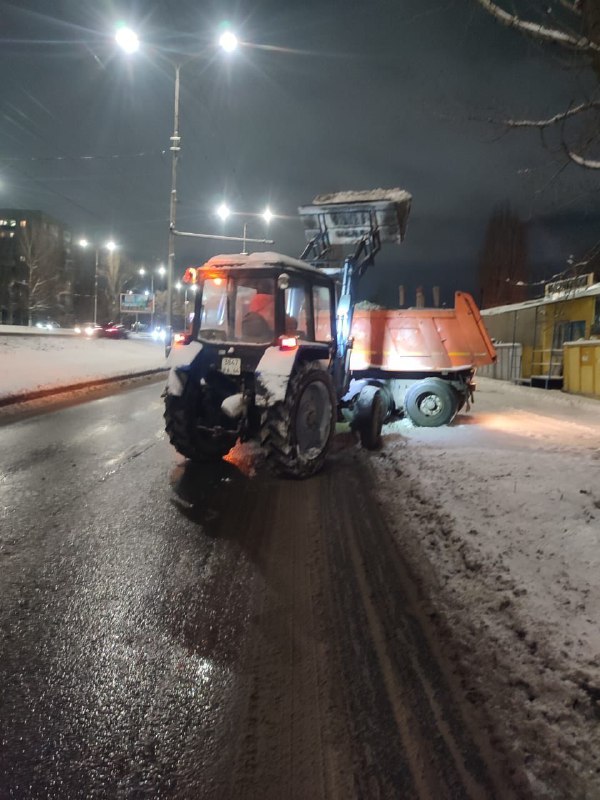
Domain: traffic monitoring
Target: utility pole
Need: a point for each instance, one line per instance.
(97, 257)
(175, 150)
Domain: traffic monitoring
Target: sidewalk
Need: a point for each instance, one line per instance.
(33, 366)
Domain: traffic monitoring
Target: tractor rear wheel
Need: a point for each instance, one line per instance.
(181, 414)
(296, 434)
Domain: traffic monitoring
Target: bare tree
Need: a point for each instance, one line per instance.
(503, 261)
(112, 272)
(572, 26)
(42, 253)
(115, 271)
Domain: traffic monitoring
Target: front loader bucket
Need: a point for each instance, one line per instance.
(349, 217)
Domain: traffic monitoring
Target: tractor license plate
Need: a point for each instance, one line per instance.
(231, 366)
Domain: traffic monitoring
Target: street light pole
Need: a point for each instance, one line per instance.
(129, 42)
(97, 256)
(153, 300)
(175, 150)
(110, 246)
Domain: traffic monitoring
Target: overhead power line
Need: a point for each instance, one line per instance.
(112, 156)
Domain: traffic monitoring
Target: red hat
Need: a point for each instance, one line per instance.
(260, 302)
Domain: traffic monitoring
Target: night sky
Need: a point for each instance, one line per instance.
(325, 96)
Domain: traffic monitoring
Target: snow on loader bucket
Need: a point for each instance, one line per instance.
(349, 217)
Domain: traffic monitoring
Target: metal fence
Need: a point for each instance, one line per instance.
(508, 363)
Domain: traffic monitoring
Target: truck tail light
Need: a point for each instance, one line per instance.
(288, 342)
(182, 338)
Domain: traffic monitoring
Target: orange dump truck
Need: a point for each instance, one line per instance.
(420, 361)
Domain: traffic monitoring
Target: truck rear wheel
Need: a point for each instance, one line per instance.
(370, 412)
(297, 433)
(430, 403)
(181, 414)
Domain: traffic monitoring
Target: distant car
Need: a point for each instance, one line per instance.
(158, 333)
(87, 329)
(47, 324)
(113, 330)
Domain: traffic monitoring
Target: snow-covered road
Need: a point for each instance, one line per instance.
(508, 504)
(504, 535)
(45, 361)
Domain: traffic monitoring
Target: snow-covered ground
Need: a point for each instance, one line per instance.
(31, 363)
(506, 503)
(499, 515)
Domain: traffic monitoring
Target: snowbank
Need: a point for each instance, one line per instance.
(499, 515)
(31, 363)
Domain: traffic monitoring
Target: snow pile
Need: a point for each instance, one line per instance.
(31, 363)
(364, 196)
(499, 515)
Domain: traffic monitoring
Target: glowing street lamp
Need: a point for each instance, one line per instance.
(223, 211)
(127, 39)
(228, 41)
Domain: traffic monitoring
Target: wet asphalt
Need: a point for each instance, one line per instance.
(171, 631)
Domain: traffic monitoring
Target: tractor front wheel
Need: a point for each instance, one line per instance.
(370, 413)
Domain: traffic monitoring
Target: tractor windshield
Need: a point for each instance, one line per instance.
(236, 308)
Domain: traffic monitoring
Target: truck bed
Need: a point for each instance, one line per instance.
(421, 339)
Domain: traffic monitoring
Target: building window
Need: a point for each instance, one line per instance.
(567, 332)
(596, 323)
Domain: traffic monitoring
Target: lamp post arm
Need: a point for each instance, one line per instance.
(222, 238)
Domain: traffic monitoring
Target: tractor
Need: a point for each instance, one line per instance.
(269, 356)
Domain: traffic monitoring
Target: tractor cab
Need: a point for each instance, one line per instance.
(261, 300)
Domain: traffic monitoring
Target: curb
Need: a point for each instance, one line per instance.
(25, 397)
(64, 333)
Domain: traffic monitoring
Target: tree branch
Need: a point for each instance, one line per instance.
(545, 123)
(587, 163)
(538, 31)
(571, 5)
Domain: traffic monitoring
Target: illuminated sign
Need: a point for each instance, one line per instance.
(137, 303)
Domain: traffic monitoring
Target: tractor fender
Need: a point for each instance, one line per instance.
(179, 357)
(355, 387)
(273, 375)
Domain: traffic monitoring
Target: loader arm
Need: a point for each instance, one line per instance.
(361, 220)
